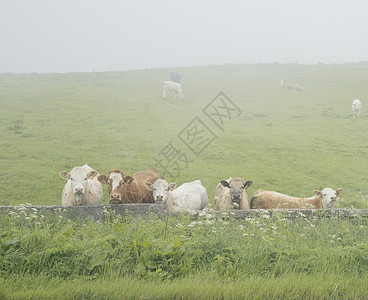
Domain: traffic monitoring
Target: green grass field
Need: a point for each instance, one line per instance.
(286, 141)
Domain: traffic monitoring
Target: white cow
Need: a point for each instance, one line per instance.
(82, 187)
(191, 196)
(329, 197)
(291, 86)
(356, 106)
(173, 87)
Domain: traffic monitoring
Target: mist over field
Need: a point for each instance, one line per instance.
(68, 36)
(81, 81)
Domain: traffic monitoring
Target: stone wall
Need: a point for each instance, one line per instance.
(99, 212)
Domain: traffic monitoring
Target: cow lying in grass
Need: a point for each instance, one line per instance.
(231, 194)
(291, 86)
(82, 187)
(191, 196)
(129, 189)
(173, 87)
(327, 198)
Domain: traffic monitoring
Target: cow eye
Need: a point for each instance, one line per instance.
(154, 189)
(71, 179)
(85, 178)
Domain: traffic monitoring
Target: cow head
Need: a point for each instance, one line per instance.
(236, 186)
(78, 179)
(160, 190)
(329, 197)
(115, 182)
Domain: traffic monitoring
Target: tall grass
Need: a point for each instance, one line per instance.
(293, 258)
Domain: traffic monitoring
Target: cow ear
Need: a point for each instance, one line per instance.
(148, 185)
(247, 184)
(317, 193)
(225, 183)
(128, 179)
(65, 175)
(172, 186)
(339, 191)
(102, 178)
(92, 174)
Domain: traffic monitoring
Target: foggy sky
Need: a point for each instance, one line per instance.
(103, 35)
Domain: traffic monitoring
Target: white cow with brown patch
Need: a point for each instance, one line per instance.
(356, 106)
(230, 194)
(291, 86)
(190, 196)
(82, 187)
(129, 189)
(273, 200)
(172, 87)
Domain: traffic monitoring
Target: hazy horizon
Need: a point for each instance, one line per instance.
(49, 36)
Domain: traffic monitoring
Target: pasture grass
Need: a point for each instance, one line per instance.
(201, 286)
(181, 257)
(286, 141)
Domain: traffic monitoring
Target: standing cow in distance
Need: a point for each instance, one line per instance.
(291, 86)
(129, 189)
(190, 196)
(176, 76)
(172, 87)
(324, 199)
(230, 194)
(82, 187)
(356, 106)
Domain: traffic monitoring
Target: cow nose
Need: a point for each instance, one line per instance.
(236, 197)
(78, 190)
(115, 196)
(159, 198)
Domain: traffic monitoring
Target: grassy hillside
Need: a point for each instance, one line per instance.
(286, 141)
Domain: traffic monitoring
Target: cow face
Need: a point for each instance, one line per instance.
(115, 182)
(329, 197)
(160, 190)
(78, 180)
(236, 186)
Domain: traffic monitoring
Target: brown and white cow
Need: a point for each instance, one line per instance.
(129, 189)
(274, 200)
(231, 194)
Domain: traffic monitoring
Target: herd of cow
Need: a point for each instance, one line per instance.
(175, 87)
(85, 187)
